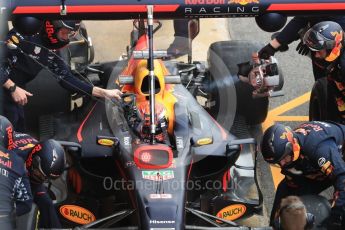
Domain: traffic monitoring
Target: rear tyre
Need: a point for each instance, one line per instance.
(44, 101)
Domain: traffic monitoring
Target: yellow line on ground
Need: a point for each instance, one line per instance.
(290, 105)
(273, 116)
(276, 176)
(268, 122)
(291, 118)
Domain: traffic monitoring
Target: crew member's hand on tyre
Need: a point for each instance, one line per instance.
(20, 96)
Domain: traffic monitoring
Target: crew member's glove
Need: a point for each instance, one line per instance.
(302, 48)
(336, 221)
(267, 51)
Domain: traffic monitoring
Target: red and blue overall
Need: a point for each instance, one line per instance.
(320, 164)
(22, 64)
(23, 145)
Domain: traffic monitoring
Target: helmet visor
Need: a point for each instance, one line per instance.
(70, 24)
(314, 40)
(66, 34)
(287, 151)
(73, 26)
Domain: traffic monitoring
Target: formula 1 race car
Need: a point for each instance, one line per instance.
(174, 153)
(177, 152)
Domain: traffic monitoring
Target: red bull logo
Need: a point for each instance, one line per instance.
(204, 2)
(243, 2)
(29, 160)
(7, 163)
(22, 142)
(50, 32)
(10, 138)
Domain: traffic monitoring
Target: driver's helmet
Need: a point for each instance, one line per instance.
(160, 121)
(325, 35)
(45, 161)
(278, 141)
(51, 29)
(6, 132)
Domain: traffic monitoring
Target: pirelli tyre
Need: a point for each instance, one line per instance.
(229, 95)
(322, 105)
(44, 101)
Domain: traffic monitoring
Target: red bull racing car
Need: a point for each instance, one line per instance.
(178, 151)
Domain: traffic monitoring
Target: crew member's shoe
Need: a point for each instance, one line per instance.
(178, 48)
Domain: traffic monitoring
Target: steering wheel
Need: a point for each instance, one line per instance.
(124, 95)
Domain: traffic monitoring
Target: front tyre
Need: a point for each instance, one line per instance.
(230, 96)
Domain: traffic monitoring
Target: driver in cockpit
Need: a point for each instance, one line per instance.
(161, 122)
